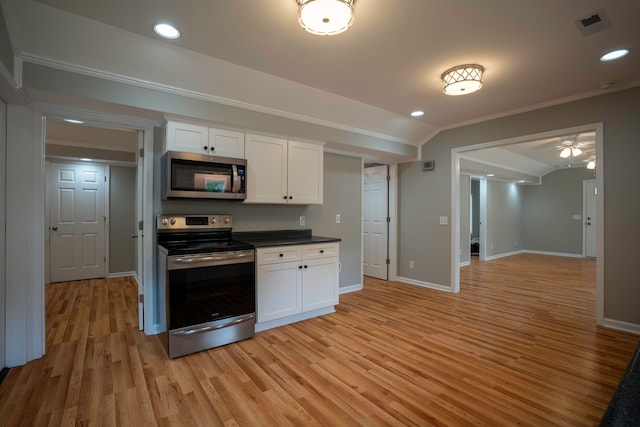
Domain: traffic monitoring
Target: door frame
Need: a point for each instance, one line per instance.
(455, 203)
(388, 214)
(146, 243)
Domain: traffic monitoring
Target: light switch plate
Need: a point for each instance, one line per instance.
(444, 220)
(338, 219)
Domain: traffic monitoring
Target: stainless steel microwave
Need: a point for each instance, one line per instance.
(199, 176)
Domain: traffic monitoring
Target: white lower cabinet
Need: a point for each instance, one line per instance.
(292, 290)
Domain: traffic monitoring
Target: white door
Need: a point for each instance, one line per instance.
(77, 223)
(589, 216)
(374, 221)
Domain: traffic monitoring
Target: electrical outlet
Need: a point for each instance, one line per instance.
(338, 219)
(301, 220)
(411, 264)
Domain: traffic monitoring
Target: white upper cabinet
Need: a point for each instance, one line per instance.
(281, 171)
(191, 138)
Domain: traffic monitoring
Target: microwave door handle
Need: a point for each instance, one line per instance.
(236, 179)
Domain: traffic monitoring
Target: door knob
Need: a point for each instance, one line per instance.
(134, 236)
(54, 228)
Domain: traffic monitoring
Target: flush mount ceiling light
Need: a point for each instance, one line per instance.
(614, 54)
(166, 31)
(462, 79)
(326, 17)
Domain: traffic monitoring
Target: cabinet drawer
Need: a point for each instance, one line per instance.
(279, 254)
(324, 250)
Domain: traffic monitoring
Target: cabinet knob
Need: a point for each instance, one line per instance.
(206, 148)
(212, 148)
(300, 267)
(285, 197)
(306, 266)
(281, 255)
(321, 251)
(290, 197)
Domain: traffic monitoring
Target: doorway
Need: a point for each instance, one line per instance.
(94, 200)
(597, 130)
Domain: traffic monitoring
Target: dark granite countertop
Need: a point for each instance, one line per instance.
(264, 239)
(624, 407)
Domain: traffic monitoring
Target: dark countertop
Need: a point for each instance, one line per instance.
(624, 407)
(264, 239)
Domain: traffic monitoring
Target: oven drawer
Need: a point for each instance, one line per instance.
(279, 254)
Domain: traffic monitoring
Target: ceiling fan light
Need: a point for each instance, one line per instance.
(326, 17)
(591, 164)
(575, 151)
(565, 153)
(462, 79)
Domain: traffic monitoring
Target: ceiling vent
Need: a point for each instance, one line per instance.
(593, 23)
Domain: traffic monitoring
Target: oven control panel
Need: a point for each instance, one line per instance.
(193, 222)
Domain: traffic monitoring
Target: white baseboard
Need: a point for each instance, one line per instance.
(622, 326)
(526, 251)
(465, 263)
(424, 284)
(123, 274)
(348, 289)
(503, 255)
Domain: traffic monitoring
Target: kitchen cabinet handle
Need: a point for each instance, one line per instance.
(306, 266)
(321, 251)
(290, 197)
(281, 255)
(206, 148)
(285, 197)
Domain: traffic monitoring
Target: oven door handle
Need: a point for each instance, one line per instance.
(209, 258)
(213, 328)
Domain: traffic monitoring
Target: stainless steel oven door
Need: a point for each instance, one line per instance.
(210, 300)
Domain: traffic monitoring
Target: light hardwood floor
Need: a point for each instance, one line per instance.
(517, 346)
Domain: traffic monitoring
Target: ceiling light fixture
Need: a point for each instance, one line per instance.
(74, 121)
(462, 79)
(570, 151)
(417, 113)
(591, 164)
(326, 17)
(614, 54)
(166, 31)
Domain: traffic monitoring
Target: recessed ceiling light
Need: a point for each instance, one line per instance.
(85, 159)
(166, 31)
(521, 181)
(74, 121)
(417, 113)
(614, 54)
(491, 174)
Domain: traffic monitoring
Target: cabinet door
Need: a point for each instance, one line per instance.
(266, 169)
(305, 173)
(187, 138)
(319, 283)
(279, 290)
(226, 143)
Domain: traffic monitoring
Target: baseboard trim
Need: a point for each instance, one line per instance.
(622, 326)
(424, 284)
(263, 326)
(123, 274)
(348, 289)
(526, 251)
(503, 255)
(465, 263)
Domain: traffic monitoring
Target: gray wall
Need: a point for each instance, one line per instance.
(425, 196)
(504, 218)
(549, 209)
(122, 219)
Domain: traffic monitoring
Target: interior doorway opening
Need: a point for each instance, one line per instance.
(457, 154)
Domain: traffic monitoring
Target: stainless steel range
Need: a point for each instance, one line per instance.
(208, 281)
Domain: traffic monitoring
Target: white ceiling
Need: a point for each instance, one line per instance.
(368, 79)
